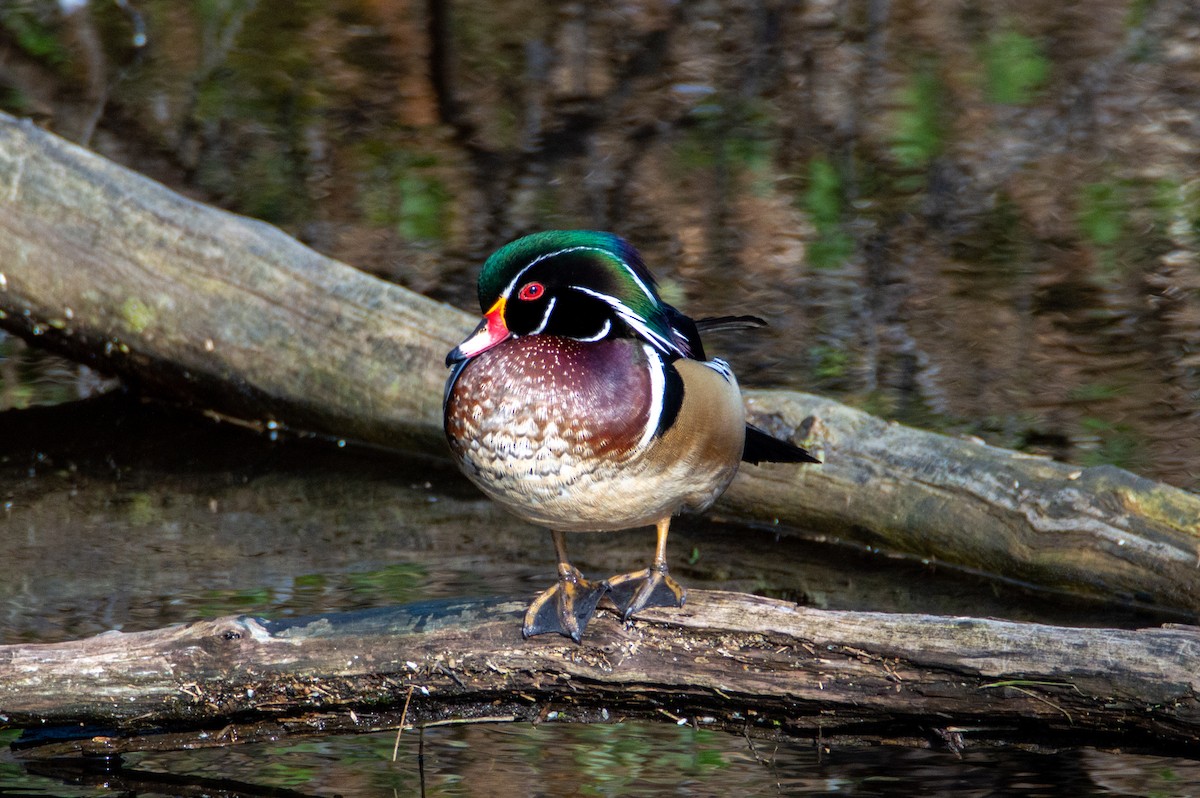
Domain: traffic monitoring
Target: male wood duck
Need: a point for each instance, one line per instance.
(583, 402)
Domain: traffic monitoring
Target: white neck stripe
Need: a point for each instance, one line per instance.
(632, 319)
(658, 383)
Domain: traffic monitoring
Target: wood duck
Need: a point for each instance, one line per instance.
(583, 402)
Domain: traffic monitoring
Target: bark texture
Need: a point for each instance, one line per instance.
(725, 660)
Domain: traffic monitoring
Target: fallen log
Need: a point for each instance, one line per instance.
(725, 660)
(206, 308)
(226, 314)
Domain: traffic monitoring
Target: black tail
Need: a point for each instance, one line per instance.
(690, 329)
(719, 323)
(763, 448)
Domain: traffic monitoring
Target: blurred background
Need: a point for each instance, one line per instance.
(980, 217)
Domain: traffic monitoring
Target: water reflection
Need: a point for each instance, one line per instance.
(620, 759)
(31, 376)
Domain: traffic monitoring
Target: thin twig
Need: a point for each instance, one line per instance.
(400, 728)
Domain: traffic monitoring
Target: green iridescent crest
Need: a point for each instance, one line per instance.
(589, 263)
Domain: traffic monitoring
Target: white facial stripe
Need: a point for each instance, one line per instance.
(545, 316)
(603, 332)
(632, 319)
(509, 289)
(658, 382)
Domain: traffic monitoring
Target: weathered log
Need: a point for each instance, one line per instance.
(1102, 530)
(725, 660)
(224, 313)
(207, 308)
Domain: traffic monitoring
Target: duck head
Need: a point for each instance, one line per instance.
(579, 284)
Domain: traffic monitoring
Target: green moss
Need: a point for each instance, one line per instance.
(137, 314)
(1169, 506)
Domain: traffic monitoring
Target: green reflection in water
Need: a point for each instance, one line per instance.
(397, 583)
(1102, 212)
(1014, 67)
(1116, 444)
(920, 126)
(216, 603)
(729, 130)
(33, 27)
(823, 200)
(611, 759)
(31, 376)
(400, 191)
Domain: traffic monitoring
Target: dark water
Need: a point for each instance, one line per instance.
(630, 759)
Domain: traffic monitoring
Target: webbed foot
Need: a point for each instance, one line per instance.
(566, 607)
(649, 587)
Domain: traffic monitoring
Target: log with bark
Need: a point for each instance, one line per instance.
(223, 313)
(725, 660)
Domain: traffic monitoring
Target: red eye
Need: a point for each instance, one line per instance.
(531, 291)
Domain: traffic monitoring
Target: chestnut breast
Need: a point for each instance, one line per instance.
(539, 415)
(561, 432)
